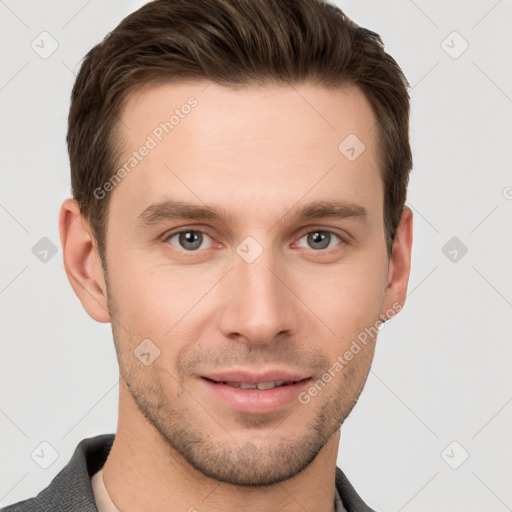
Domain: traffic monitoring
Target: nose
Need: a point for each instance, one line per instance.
(259, 304)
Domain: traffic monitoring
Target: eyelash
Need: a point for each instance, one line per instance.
(342, 240)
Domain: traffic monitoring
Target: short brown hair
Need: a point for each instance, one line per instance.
(232, 43)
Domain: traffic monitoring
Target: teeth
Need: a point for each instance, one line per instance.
(260, 385)
(266, 385)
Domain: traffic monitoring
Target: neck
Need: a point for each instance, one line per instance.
(143, 472)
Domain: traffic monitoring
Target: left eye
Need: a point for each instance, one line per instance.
(320, 239)
(189, 240)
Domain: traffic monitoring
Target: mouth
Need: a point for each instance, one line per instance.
(261, 386)
(255, 393)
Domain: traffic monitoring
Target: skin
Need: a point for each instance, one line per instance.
(256, 152)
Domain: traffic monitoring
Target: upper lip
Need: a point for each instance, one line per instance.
(256, 377)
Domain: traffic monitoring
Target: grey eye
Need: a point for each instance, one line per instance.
(320, 239)
(189, 240)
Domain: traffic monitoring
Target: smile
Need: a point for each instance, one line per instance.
(259, 385)
(254, 394)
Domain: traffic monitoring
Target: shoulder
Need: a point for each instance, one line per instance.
(351, 500)
(71, 488)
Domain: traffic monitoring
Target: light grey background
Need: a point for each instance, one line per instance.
(442, 369)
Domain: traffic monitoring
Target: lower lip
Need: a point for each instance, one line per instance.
(256, 401)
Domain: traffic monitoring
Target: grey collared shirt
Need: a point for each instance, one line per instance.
(338, 504)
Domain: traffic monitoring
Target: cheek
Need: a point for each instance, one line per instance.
(156, 302)
(137, 287)
(347, 298)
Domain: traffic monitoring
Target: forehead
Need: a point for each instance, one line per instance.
(273, 144)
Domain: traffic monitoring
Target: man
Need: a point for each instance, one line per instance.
(239, 172)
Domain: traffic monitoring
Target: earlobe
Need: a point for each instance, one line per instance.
(82, 261)
(399, 265)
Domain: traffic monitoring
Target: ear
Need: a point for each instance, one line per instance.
(82, 261)
(399, 267)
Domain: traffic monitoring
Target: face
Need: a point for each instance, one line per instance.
(248, 251)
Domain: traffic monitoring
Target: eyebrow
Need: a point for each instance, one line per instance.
(169, 209)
